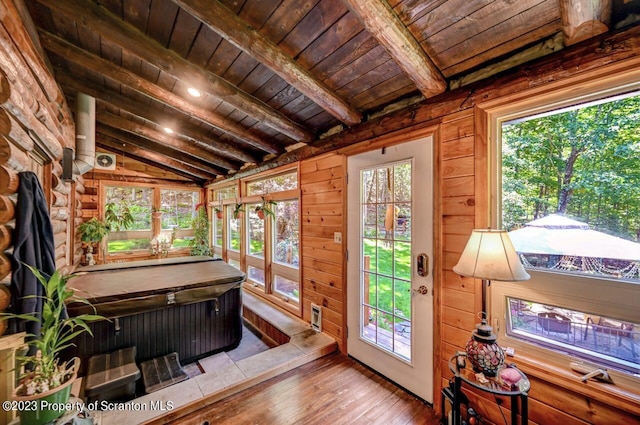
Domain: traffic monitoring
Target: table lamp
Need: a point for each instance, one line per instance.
(489, 255)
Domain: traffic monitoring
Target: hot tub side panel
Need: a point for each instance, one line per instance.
(192, 330)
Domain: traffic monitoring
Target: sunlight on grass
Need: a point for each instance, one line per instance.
(387, 293)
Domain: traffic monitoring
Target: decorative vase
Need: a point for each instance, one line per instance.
(260, 214)
(483, 352)
(219, 215)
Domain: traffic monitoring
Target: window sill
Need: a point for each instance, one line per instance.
(563, 377)
(274, 299)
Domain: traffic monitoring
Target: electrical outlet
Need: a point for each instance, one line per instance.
(337, 237)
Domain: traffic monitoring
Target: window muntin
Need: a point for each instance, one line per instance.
(573, 286)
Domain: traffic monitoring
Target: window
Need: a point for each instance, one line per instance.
(278, 183)
(139, 201)
(286, 249)
(178, 211)
(265, 244)
(163, 214)
(255, 254)
(223, 223)
(568, 191)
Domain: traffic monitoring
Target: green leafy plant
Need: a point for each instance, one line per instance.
(93, 230)
(265, 209)
(45, 370)
(118, 220)
(237, 210)
(200, 224)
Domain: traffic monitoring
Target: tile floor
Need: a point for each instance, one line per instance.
(224, 374)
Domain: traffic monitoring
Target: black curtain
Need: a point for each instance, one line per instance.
(33, 246)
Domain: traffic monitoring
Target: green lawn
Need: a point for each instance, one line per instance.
(390, 280)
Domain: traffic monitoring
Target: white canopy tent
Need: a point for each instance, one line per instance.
(559, 235)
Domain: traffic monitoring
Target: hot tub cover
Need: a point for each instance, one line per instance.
(123, 289)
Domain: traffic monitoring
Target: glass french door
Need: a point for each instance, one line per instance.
(390, 303)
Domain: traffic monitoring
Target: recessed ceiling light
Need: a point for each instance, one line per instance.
(194, 92)
(168, 130)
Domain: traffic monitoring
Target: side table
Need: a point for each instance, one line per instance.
(465, 375)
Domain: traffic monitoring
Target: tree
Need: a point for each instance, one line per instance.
(583, 162)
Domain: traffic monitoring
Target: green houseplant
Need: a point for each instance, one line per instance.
(93, 230)
(237, 210)
(47, 378)
(200, 224)
(265, 209)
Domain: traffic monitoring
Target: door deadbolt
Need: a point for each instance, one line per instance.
(422, 264)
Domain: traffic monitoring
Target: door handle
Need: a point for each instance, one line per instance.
(422, 290)
(422, 265)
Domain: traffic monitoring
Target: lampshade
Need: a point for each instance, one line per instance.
(490, 255)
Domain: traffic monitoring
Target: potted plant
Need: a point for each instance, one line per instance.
(156, 213)
(265, 209)
(47, 378)
(200, 224)
(93, 230)
(218, 212)
(237, 210)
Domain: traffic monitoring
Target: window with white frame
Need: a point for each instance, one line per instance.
(222, 224)
(175, 207)
(568, 191)
(272, 253)
(139, 201)
(178, 208)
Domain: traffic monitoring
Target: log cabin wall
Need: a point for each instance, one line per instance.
(35, 126)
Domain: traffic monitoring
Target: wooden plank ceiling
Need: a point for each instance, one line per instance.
(277, 74)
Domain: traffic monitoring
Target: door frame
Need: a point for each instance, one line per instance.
(395, 138)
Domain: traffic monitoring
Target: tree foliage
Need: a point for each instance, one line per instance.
(583, 162)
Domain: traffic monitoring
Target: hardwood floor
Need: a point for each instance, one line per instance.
(332, 390)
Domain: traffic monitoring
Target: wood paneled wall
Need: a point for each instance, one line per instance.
(557, 396)
(322, 181)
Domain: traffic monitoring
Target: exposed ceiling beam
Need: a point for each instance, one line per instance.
(155, 114)
(97, 18)
(223, 21)
(167, 151)
(127, 78)
(152, 158)
(141, 130)
(582, 19)
(382, 23)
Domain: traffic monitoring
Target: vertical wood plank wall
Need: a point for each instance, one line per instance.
(323, 266)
